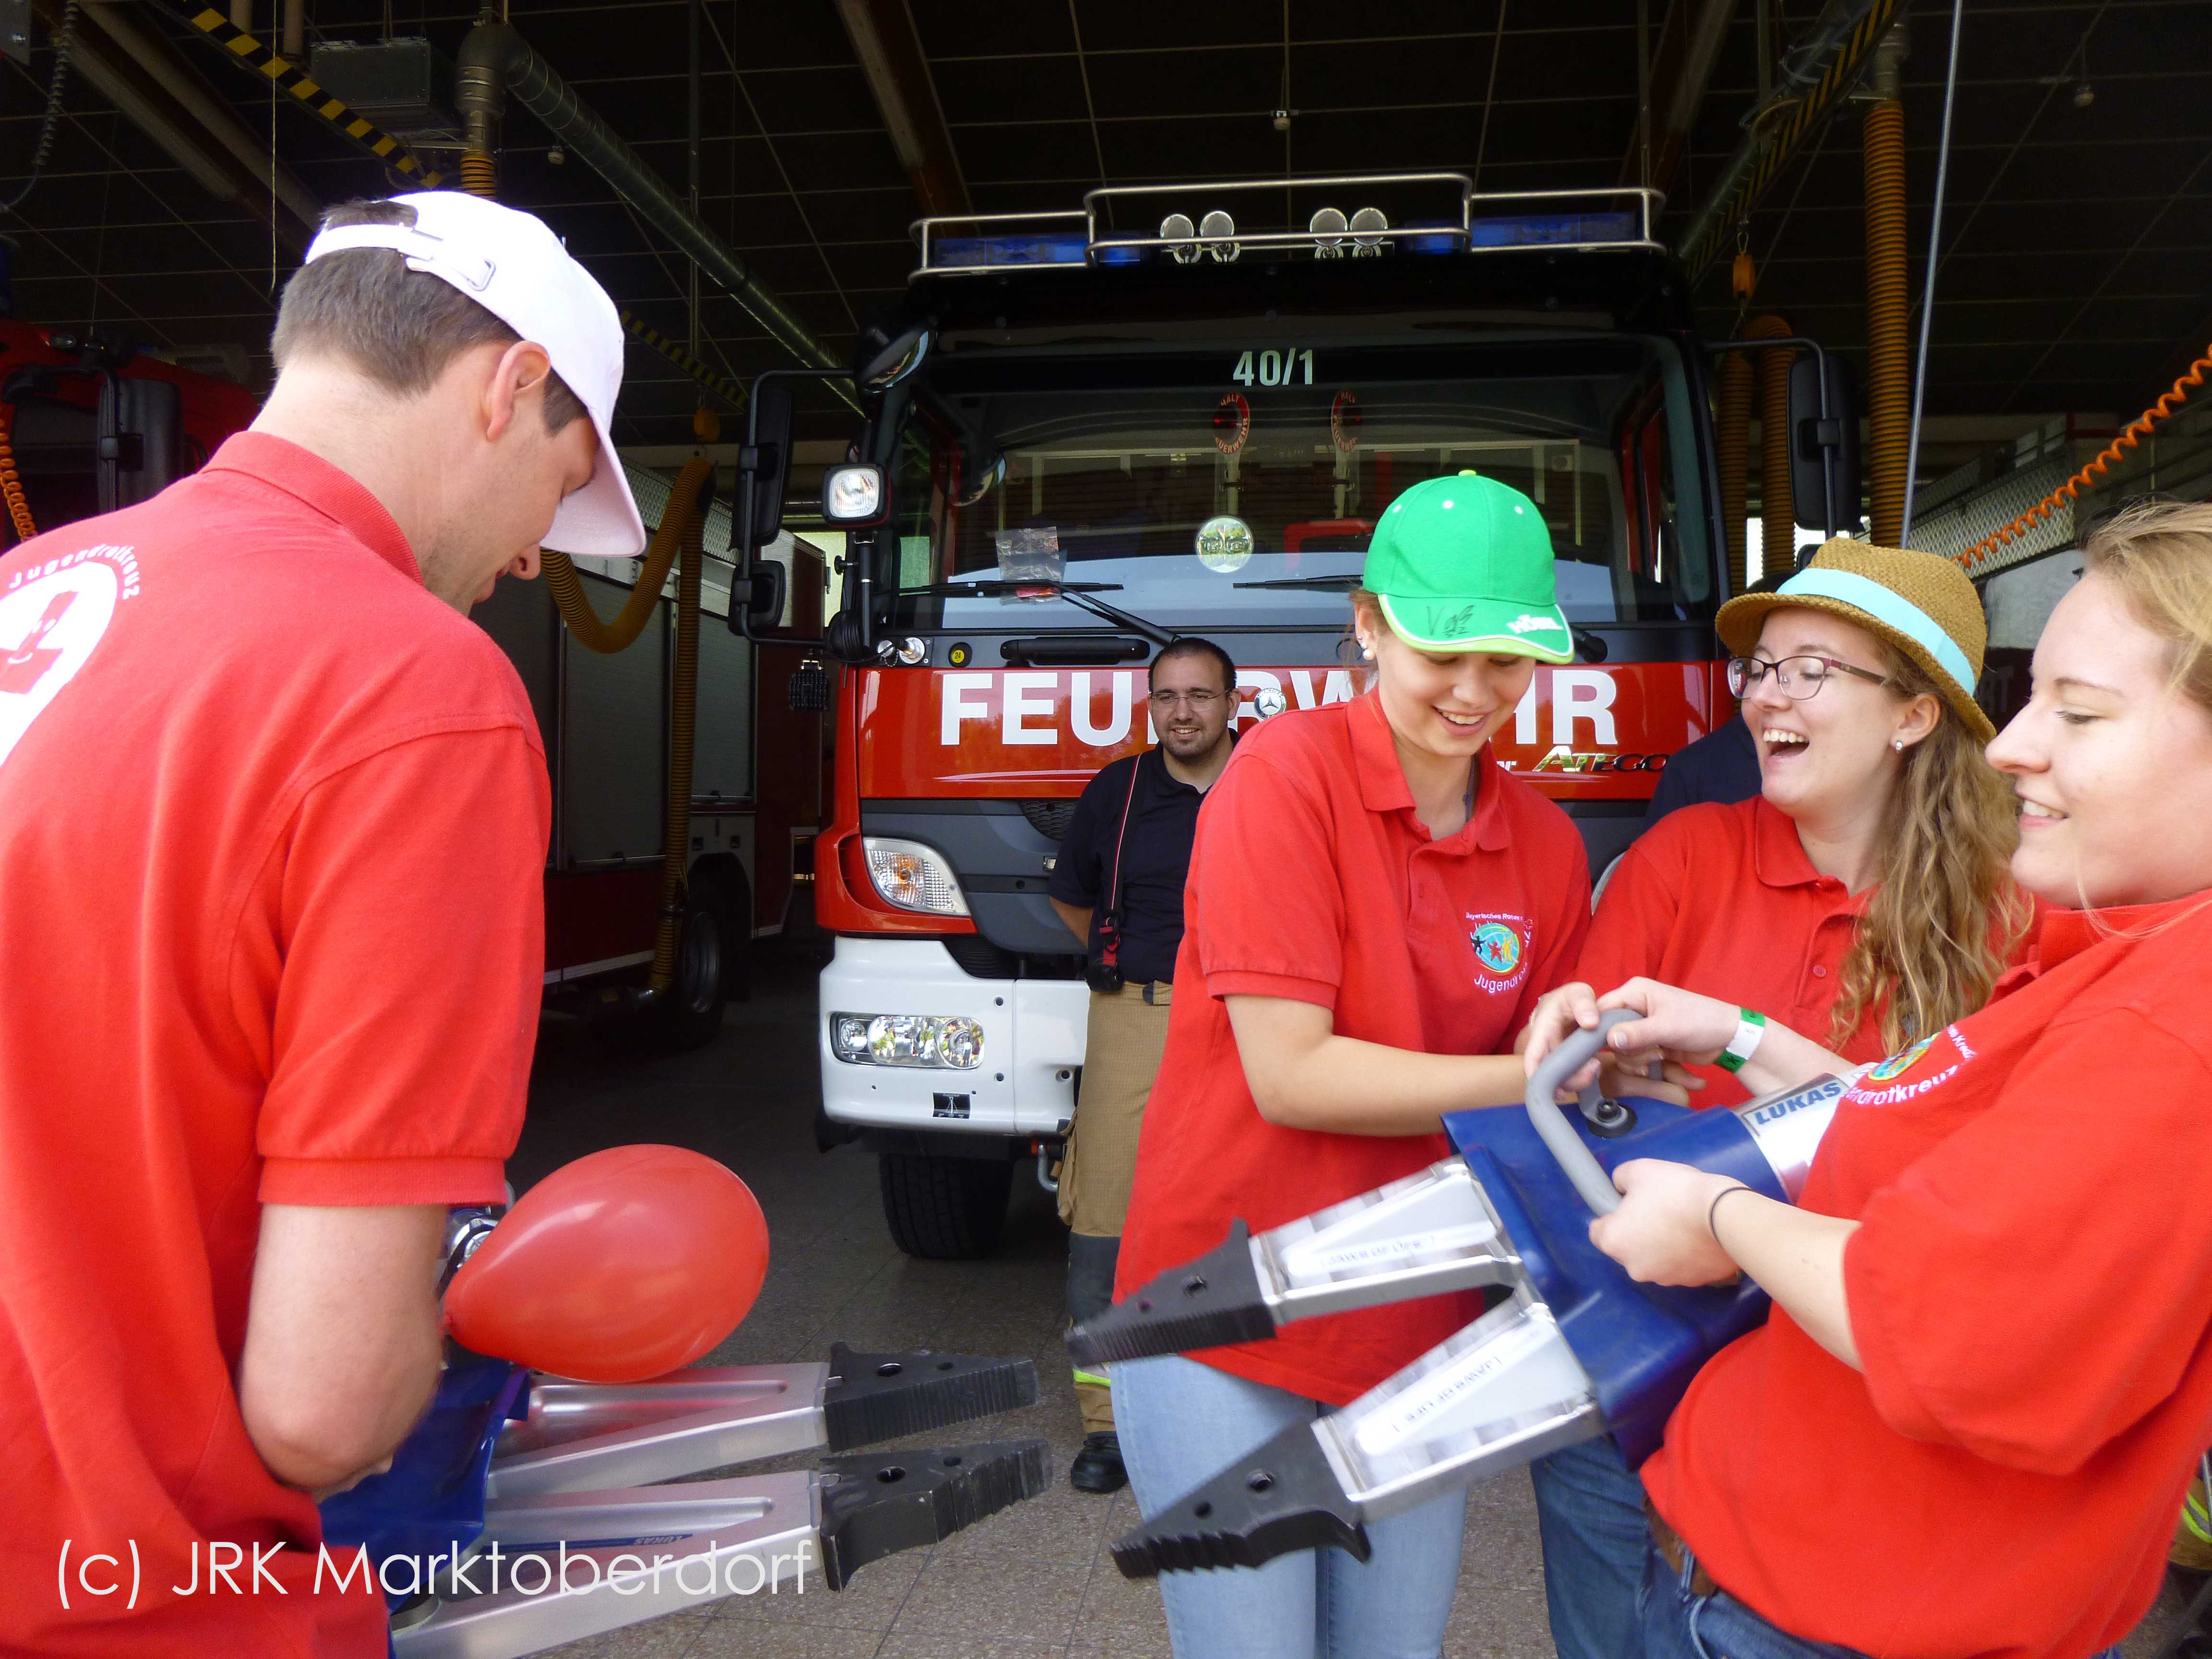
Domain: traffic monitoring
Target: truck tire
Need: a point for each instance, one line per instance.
(726, 881)
(945, 1209)
(692, 1011)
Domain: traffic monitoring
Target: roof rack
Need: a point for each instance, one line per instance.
(1454, 218)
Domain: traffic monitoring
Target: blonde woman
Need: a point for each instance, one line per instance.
(1862, 895)
(1968, 1422)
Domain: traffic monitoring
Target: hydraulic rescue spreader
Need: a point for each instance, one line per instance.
(533, 1504)
(1568, 1348)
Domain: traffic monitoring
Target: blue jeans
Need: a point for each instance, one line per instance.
(1180, 1422)
(1677, 1625)
(1590, 1510)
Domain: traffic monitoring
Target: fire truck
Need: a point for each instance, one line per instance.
(1180, 410)
(89, 424)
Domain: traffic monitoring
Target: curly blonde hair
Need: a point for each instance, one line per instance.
(1945, 917)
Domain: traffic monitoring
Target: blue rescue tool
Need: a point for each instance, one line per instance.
(1569, 1348)
(526, 1511)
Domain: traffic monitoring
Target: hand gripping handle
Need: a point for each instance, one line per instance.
(1579, 1047)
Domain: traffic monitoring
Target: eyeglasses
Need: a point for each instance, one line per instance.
(1800, 678)
(1199, 701)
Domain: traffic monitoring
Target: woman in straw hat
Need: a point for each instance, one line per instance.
(1968, 1425)
(1862, 895)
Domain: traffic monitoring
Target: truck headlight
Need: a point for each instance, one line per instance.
(913, 877)
(947, 1041)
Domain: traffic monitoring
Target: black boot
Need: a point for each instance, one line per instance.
(1097, 1467)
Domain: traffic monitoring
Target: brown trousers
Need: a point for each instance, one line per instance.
(1125, 1038)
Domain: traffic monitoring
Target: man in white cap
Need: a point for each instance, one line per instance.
(276, 816)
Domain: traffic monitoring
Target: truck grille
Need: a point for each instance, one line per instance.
(981, 959)
(1050, 819)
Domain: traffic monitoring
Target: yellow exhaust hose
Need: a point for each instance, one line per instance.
(567, 588)
(685, 507)
(1775, 504)
(1889, 368)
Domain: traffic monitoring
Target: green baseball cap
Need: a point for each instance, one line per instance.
(1465, 564)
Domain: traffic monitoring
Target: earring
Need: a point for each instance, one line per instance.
(1368, 652)
(1897, 744)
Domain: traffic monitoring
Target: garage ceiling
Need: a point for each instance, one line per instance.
(2077, 273)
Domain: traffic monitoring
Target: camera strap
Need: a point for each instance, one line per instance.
(1109, 926)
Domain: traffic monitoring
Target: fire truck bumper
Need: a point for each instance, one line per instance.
(920, 1003)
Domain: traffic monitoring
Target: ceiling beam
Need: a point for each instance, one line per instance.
(1690, 41)
(146, 79)
(889, 50)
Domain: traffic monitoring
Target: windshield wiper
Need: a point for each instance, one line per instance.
(1076, 593)
(1342, 583)
(999, 585)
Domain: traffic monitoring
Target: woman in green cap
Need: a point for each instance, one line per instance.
(1373, 911)
(1862, 896)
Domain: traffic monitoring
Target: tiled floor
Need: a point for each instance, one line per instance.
(1032, 1581)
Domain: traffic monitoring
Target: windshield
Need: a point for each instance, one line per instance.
(1236, 490)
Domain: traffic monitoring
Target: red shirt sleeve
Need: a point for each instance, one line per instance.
(2033, 1287)
(1635, 913)
(410, 903)
(1268, 909)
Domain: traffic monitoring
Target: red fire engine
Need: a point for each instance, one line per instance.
(1179, 409)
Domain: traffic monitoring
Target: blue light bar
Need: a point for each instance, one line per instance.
(1446, 238)
(1550, 229)
(1059, 247)
(1111, 252)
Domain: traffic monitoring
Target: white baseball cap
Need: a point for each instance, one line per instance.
(516, 269)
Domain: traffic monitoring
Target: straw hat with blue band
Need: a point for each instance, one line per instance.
(1465, 564)
(1921, 603)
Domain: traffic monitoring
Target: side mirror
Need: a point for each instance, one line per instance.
(765, 459)
(141, 439)
(763, 602)
(1824, 444)
(985, 474)
(897, 359)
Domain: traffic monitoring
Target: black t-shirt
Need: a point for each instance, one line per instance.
(1721, 766)
(1155, 860)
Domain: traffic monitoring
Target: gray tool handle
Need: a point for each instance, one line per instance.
(1578, 1050)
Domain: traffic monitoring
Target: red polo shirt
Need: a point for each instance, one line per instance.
(2031, 1293)
(1721, 900)
(270, 891)
(1311, 878)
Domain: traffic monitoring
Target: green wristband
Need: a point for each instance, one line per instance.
(1750, 1028)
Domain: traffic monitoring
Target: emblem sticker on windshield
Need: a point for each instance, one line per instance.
(1224, 544)
(1031, 556)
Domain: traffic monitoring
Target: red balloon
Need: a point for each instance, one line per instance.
(622, 1265)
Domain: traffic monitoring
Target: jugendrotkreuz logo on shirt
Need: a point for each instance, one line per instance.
(1501, 948)
(1878, 1085)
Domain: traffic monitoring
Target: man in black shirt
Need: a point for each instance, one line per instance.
(1118, 885)
(1721, 766)
(1724, 764)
